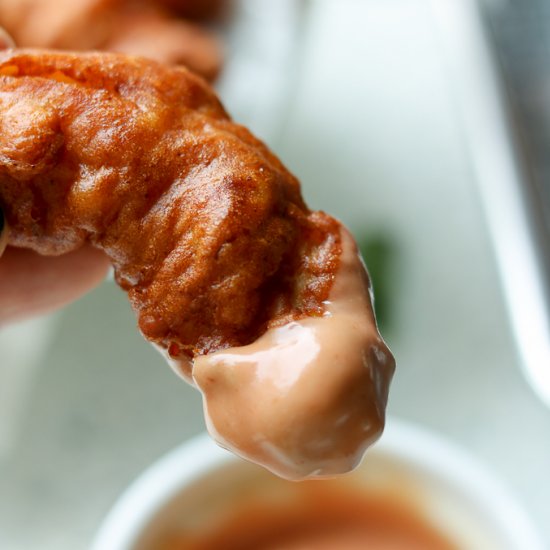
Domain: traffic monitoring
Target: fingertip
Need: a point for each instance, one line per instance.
(31, 284)
(6, 41)
(3, 233)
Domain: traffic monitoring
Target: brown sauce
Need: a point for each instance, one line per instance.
(319, 517)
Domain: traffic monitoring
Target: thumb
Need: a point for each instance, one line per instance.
(3, 233)
(6, 40)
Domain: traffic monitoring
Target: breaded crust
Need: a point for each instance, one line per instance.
(206, 229)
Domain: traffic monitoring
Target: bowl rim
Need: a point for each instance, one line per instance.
(424, 449)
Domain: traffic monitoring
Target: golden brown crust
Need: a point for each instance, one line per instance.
(206, 229)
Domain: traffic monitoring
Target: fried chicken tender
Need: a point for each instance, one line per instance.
(206, 229)
(136, 27)
(150, 33)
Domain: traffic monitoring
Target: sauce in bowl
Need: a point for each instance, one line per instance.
(317, 515)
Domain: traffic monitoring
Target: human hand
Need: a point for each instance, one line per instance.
(6, 41)
(31, 284)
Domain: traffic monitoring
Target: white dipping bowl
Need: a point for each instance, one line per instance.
(450, 489)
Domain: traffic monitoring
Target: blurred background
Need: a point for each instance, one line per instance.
(378, 107)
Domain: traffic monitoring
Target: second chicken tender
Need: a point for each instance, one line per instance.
(129, 26)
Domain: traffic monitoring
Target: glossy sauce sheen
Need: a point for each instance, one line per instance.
(306, 399)
(318, 517)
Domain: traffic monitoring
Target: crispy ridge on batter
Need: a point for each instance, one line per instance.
(206, 229)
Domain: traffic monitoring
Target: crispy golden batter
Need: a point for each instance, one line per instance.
(206, 229)
(139, 27)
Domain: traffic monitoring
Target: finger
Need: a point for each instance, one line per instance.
(31, 284)
(6, 41)
(3, 233)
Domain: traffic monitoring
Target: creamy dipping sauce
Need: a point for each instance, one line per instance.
(318, 516)
(306, 399)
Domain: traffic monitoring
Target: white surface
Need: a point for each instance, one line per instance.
(487, 133)
(489, 517)
(374, 134)
(20, 356)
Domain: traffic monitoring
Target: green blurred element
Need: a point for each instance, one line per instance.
(379, 252)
